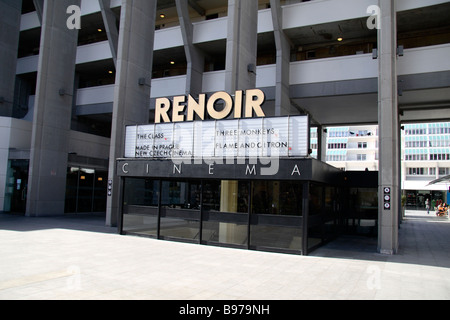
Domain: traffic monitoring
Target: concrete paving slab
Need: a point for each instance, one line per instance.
(78, 258)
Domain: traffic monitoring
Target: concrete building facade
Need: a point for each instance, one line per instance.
(76, 73)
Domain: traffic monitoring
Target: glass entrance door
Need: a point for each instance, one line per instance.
(16, 186)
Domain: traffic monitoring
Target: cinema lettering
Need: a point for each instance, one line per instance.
(183, 108)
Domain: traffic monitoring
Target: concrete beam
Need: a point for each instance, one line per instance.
(39, 6)
(194, 56)
(194, 5)
(109, 20)
(283, 46)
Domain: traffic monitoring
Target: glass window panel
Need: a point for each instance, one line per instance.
(71, 190)
(141, 192)
(274, 236)
(364, 201)
(180, 205)
(315, 235)
(85, 190)
(215, 230)
(276, 220)
(141, 206)
(100, 190)
(277, 197)
(315, 199)
(140, 220)
(211, 195)
(229, 228)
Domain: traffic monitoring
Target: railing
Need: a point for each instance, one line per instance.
(418, 60)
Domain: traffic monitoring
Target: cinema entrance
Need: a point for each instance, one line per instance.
(243, 183)
(293, 211)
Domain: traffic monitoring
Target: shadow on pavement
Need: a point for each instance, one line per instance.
(424, 239)
(93, 222)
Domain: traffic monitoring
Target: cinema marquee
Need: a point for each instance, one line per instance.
(217, 171)
(237, 138)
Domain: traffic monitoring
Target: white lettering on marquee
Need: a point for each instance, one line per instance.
(177, 169)
(295, 171)
(211, 169)
(250, 171)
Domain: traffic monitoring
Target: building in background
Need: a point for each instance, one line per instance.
(425, 157)
(351, 148)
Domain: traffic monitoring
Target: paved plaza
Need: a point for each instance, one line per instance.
(77, 257)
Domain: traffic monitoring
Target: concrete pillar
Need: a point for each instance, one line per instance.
(132, 88)
(194, 56)
(241, 52)
(52, 111)
(321, 144)
(283, 45)
(242, 39)
(389, 133)
(10, 14)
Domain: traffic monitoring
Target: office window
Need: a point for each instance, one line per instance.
(361, 157)
(439, 128)
(417, 171)
(362, 145)
(440, 154)
(416, 155)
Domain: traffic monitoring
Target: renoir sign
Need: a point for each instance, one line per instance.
(226, 139)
